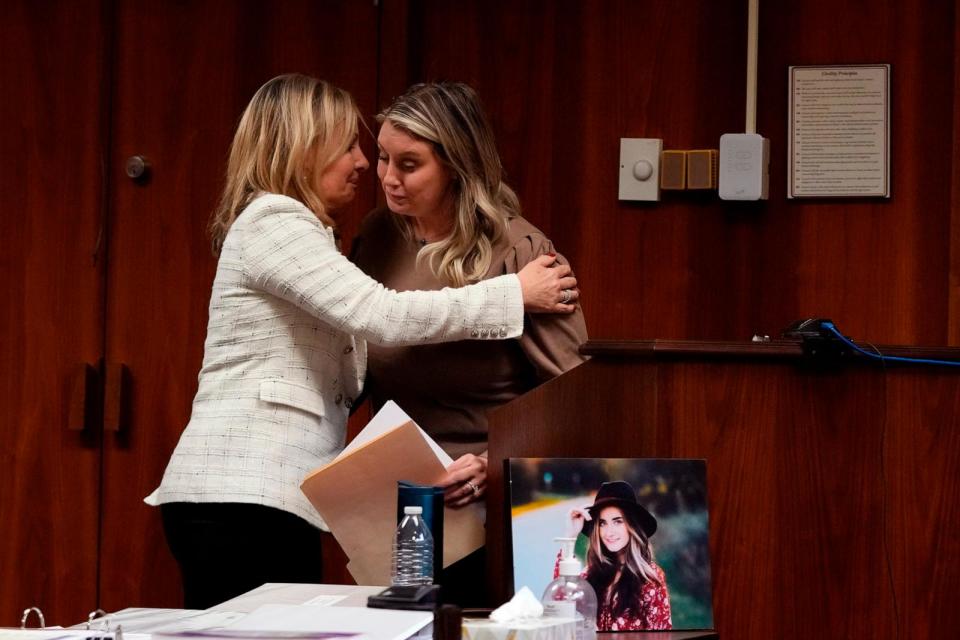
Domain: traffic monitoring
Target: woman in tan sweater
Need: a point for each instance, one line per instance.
(451, 220)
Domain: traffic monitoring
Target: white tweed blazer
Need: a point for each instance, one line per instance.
(285, 355)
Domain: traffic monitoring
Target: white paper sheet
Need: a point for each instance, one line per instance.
(389, 417)
(373, 624)
(296, 593)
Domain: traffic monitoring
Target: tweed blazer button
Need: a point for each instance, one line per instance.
(348, 403)
(485, 333)
(338, 399)
(474, 334)
(503, 332)
(347, 349)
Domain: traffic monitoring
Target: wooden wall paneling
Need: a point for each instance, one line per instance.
(693, 266)
(877, 267)
(953, 318)
(765, 447)
(922, 456)
(51, 194)
(560, 102)
(739, 456)
(827, 489)
(835, 526)
(393, 60)
(185, 71)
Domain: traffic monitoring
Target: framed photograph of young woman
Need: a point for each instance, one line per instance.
(640, 531)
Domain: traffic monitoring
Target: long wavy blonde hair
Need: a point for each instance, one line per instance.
(293, 124)
(449, 115)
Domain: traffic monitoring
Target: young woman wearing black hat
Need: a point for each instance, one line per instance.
(631, 588)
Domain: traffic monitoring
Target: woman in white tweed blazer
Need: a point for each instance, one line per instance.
(285, 352)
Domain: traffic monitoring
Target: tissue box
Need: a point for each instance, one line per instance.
(531, 629)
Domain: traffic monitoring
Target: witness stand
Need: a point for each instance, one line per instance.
(832, 486)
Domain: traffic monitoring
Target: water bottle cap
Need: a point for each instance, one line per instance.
(413, 511)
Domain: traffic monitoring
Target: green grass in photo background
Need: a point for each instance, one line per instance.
(684, 560)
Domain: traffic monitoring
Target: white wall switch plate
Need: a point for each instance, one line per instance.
(640, 168)
(744, 166)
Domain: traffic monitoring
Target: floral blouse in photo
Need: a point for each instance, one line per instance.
(652, 611)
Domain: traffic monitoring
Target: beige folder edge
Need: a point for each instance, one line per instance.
(356, 495)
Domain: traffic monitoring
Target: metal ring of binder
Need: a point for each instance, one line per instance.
(96, 613)
(26, 616)
(105, 631)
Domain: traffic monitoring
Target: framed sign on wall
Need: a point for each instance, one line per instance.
(839, 131)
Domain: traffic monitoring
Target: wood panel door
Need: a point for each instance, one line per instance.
(184, 72)
(51, 325)
(168, 84)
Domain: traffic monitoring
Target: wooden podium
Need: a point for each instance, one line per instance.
(834, 489)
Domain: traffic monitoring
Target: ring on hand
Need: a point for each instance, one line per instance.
(566, 296)
(475, 488)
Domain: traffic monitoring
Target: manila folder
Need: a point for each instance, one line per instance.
(356, 495)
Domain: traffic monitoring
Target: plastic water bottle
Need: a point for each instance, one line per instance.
(570, 596)
(412, 550)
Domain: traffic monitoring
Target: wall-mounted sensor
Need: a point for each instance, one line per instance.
(640, 168)
(744, 166)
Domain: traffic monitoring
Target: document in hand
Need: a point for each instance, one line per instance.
(356, 494)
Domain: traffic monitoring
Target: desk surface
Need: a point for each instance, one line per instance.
(287, 593)
(659, 635)
(148, 620)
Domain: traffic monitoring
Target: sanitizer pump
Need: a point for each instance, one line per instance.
(570, 596)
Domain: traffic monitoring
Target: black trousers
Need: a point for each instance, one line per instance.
(226, 549)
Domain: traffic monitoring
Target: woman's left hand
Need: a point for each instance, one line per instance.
(466, 480)
(548, 286)
(577, 518)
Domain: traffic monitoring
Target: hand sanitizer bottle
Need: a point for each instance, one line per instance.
(570, 596)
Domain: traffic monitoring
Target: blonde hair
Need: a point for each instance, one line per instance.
(449, 115)
(292, 125)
